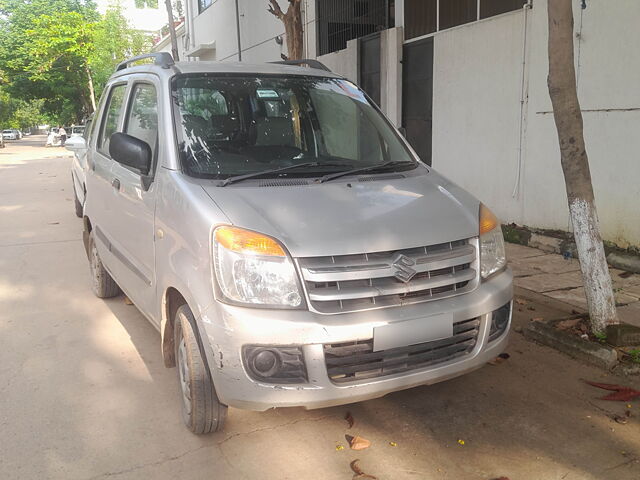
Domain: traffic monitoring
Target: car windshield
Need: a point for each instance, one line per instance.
(238, 125)
(7, 131)
(79, 130)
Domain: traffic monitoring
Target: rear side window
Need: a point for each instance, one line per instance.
(142, 119)
(110, 118)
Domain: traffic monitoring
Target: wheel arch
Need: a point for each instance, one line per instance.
(171, 301)
(86, 230)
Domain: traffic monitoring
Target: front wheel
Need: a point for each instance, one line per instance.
(102, 284)
(202, 412)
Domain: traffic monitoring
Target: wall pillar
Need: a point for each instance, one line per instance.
(391, 74)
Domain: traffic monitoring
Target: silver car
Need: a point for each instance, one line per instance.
(285, 239)
(77, 131)
(9, 135)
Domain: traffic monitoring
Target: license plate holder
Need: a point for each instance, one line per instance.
(413, 332)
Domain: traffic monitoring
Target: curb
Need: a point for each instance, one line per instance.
(562, 243)
(629, 370)
(597, 355)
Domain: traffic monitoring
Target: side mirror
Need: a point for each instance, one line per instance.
(131, 151)
(403, 131)
(75, 144)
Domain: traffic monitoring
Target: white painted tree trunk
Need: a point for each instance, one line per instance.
(575, 166)
(593, 263)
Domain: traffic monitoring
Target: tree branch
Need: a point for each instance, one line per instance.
(274, 9)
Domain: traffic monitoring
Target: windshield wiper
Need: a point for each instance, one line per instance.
(370, 168)
(239, 178)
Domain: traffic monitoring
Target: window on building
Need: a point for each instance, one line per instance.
(204, 4)
(457, 12)
(422, 17)
(489, 8)
(339, 21)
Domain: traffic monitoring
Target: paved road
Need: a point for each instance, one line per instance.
(84, 393)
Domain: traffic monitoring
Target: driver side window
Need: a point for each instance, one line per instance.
(110, 118)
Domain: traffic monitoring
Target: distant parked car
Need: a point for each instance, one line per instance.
(9, 135)
(18, 134)
(77, 131)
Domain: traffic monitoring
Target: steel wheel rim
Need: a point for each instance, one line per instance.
(183, 370)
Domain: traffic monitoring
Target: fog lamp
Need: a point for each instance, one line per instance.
(265, 362)
(499, 321)
(274, 364)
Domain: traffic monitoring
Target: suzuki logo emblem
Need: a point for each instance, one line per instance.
(404, 264)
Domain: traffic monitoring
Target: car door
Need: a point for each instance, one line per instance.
(100, 190)
(135, 198)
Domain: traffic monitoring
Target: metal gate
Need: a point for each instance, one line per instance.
(417, 96)
(370, 66)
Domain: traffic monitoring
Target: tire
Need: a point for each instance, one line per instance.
(202, 412)
(102, 284)
(78, 205)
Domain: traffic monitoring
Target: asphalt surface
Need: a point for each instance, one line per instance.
(84, 393)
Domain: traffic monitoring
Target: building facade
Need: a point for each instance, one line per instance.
(467, 80)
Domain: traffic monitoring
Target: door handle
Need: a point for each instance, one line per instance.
(116, 184)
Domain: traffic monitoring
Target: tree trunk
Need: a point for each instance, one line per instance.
(575, 166)
(293, 28)
(172, 31)
(92, 93)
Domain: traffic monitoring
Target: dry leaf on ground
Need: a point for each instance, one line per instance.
(358, 443)
(358, 473)
(349, 418)
(621, 394)
(499, 359)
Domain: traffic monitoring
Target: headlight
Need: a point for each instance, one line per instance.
(492, 255)
(253, 269)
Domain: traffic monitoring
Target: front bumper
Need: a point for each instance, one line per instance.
(228, 328)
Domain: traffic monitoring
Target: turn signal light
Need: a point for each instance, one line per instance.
(488, 221)
(248, 242)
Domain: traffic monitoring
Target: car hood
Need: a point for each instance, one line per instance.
(349, 217)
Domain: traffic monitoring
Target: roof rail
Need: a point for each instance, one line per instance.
(305, 61)
(162, 59)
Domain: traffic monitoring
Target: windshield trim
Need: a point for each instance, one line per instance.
(175, 114)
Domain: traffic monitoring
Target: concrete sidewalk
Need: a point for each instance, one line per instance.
(557, 277)
(84, 393)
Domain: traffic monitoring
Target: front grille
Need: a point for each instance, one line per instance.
(353, 361)
(348, 283)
